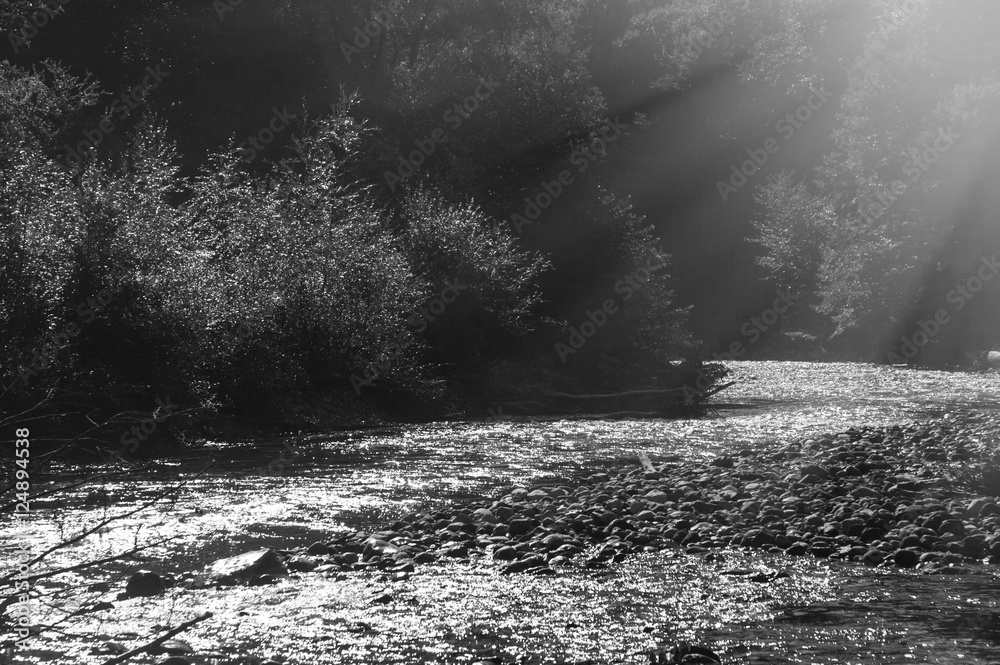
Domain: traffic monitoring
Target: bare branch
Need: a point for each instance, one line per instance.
(103, 523)
(158, 641)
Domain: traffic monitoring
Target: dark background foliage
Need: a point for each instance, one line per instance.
(259, 281)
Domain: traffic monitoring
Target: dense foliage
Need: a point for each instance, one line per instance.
(335, 263)
(260, 205)
(231, 287)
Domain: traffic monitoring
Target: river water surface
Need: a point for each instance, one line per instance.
(825, 612)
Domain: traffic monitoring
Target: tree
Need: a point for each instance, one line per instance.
(793, 228)
(889, 192)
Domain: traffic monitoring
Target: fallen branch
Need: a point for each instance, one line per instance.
(158, 641)
(717, 389)
(617, 414)
(628, 393)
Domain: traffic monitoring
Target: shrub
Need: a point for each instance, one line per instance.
(456, 245)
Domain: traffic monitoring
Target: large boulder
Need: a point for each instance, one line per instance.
(246, 568)
(144, 583)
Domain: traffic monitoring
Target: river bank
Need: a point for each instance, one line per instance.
(454, 610)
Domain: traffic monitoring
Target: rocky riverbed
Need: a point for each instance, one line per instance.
(918, 496)
(398, 574)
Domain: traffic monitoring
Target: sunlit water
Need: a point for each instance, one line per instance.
(823, 613)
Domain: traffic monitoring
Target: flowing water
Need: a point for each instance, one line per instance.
(824, 612)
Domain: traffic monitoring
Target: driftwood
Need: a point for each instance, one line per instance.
(718, 389)
(651, 402)
(615, 414)
(158, 641)
(627, 394)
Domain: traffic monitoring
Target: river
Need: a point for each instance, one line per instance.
(825, 612)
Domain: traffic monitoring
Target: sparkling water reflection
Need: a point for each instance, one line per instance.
(823, 613)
